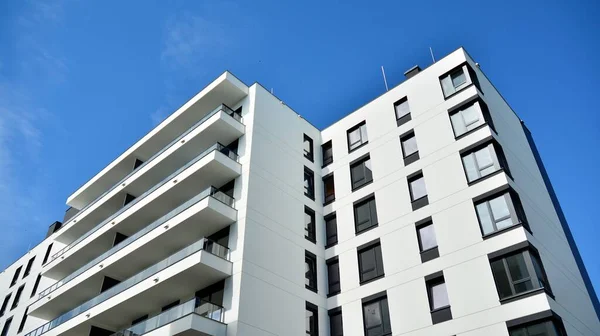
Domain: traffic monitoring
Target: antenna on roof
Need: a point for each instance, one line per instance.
(384, 79)
(271, 90)
(431, 51)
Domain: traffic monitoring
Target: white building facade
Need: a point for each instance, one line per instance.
(425, 212)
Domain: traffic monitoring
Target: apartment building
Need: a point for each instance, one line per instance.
(425, 212)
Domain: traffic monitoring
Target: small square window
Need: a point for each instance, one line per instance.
(499, 212)
(370, 262)
(458, 79)
(418, 191)
(333, 276)
(365, 214)
(410, 151)
(328, 189)
(309, 224)
(470, 117)
(483, 161)
(376, 317)
(357, 136)
(331, 230)
(327, 151)
(310, 271)
(308, 148)
(309, 183)
(402, 111)
(361, 172)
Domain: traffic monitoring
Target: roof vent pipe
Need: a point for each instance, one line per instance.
(412, 71)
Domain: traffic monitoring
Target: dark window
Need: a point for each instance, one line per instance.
(36, 284)
(333, 276)
(361, 172)
(357, 136)
(376, 317)
(5, 304)
(458, 79)
(310, 271)
(427, 240)
(410, 151)
(331, 230)
(17, 297)
(28, 267)
(370, 262)
(328, 189)
(438, 299)
(499, 212)
(309, 224)
(327, 151)
(128, 199)
(23, 320)
(6, 327)
(16, 276)
(402, 111)
(365, 214)
(170, 305)
(519, 273)
(213, 293)
(418, 191)
(137, 163)
(308, 148)
(47, 255)
(336, 326)
(309, 183)
(139, 319)
(483, 161)
(469, 117)
(546, 327)
(312, 320)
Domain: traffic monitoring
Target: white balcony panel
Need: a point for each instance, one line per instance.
(191, 325)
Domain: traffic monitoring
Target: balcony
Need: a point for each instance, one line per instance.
(216, 165)
(194, 267)
(222, 125)
(195, 317)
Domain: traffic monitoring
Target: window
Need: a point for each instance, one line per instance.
(499, 212)
(16, 276)
(17, 297)
(402, 111)
(23, 320)
(427, 240)
(139, 319)
(469, 117)
(328, 189)
(519, 273)
(550, 326)
(309, 224)
(457, 79)
(365, 214)
(370, 262)
(128, 199)
(327, 151)
(47, 255)
(137, 163)
(333, 276)
(4, 304)
(312, 320)
(331, 230)
(357, 136)
(36, 284)
(336, 327)
(376, 316)
(418, 191)
(438, 298)
(28, 267)
(361, 172)
(308, 148)
(309, 183)
(170, 305)
(483, 161)
(410, 151)
(310, 271)
(6, 327)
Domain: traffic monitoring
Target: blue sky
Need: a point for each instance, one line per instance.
(81, 81)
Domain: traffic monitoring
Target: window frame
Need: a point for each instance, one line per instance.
(310, 155)
(15, 278)
(6, 326)
(442, 313)
(328, 234)
(414, 156)
(423, 200)
(373, 219)
(515, 208)
(36, 285)
(327, 160)
(311, 260)
(405, 118)
(337, 312)
(315, 322)
(357, 164)
(47, 255)
(5, 304)
(471, 79)
(498, 158)
(310, 191)
(543, 317)
(375, 248)
(28, 267)
(310, 233)
(331, 262)
(362, 141)
(328, 198)
(23, 320)
(381, 300)
(482, 110)
(17, 298)
(430, 253)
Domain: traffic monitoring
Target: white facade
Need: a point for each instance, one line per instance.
(159, 248)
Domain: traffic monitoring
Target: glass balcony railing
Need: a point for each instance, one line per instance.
(220, 108)
(209, 192)
(216, 147)
(202, 244)
(194, 306)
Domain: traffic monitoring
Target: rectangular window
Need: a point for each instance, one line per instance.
(418, 191)
(36, 284)
(16, 276)
(458, 79)
(438, 298)
(336, 326)
(483, 161)
(17, 297)
(28, 267)
(309, 224)
(469, 117)
(312, 320)
(370, 262)
(402, 111)
(4, 304)
(376, 317)
(365, 214)
(23, 320)
(357, 136)
(427, 240)
(47, 255)
(546, 327)
(333, 276)
(328, 189)
(361, 172)
(309, 183)
(331, 230)
(519, 273)
(327, 151)
(410, 151)
(310, 271)
(308, 148)
(499, 212)
(6, 327)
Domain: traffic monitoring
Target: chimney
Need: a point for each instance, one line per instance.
(412, 71)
